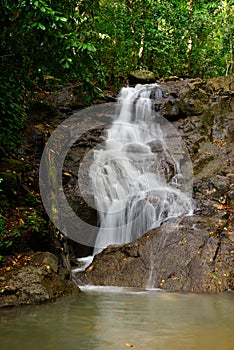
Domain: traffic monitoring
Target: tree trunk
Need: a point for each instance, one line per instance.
(190, 39)
(229, 15)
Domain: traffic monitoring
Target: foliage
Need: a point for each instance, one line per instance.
(8, 237)
(93, 42)
(12, 113)
(41, 38)
(170, 37)
(34, 222)
(28, 222)
(0, 183)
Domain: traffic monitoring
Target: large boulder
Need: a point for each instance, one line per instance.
(192, 255)
(141, 77)
(33, 279)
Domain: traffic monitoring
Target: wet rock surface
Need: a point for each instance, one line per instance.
(191, 255)
(33, 279)
(194, 253)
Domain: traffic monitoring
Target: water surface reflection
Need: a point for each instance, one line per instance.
(109, 318)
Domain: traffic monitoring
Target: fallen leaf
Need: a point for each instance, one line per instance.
(128, 345)
(175, 278)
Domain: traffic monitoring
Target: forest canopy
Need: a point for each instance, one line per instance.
(98, 42)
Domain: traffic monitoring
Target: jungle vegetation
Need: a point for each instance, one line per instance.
(98, 42)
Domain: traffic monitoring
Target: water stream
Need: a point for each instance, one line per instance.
(115, 318)
(141, 176)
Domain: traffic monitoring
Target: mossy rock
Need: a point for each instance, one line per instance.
(141, 77)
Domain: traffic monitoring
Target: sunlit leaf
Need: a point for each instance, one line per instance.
(41, 26)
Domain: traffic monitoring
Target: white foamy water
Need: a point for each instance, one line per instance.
(140, 178)
(83, 263)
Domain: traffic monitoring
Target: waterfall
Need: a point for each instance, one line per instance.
(139, 178)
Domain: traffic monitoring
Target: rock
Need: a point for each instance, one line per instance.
(171, 109)
(47, 259)
(196, 253)
(171, 78)
(42, 280)
(141, 77)
(194, 102)
(221, 84)
(195, 83)
(66, 98)
(37, 135)
(191, 255)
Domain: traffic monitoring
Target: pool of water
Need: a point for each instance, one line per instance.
(119, 318)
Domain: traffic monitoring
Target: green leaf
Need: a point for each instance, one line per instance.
(91, 48)
(41, 26)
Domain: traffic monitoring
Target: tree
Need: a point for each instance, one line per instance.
(228, 9)
(93, 42)
(40, 38)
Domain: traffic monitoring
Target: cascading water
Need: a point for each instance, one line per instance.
(140, 177)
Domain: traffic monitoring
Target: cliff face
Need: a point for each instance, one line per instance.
(194, 253)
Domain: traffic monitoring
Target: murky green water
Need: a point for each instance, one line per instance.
(109, 318)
